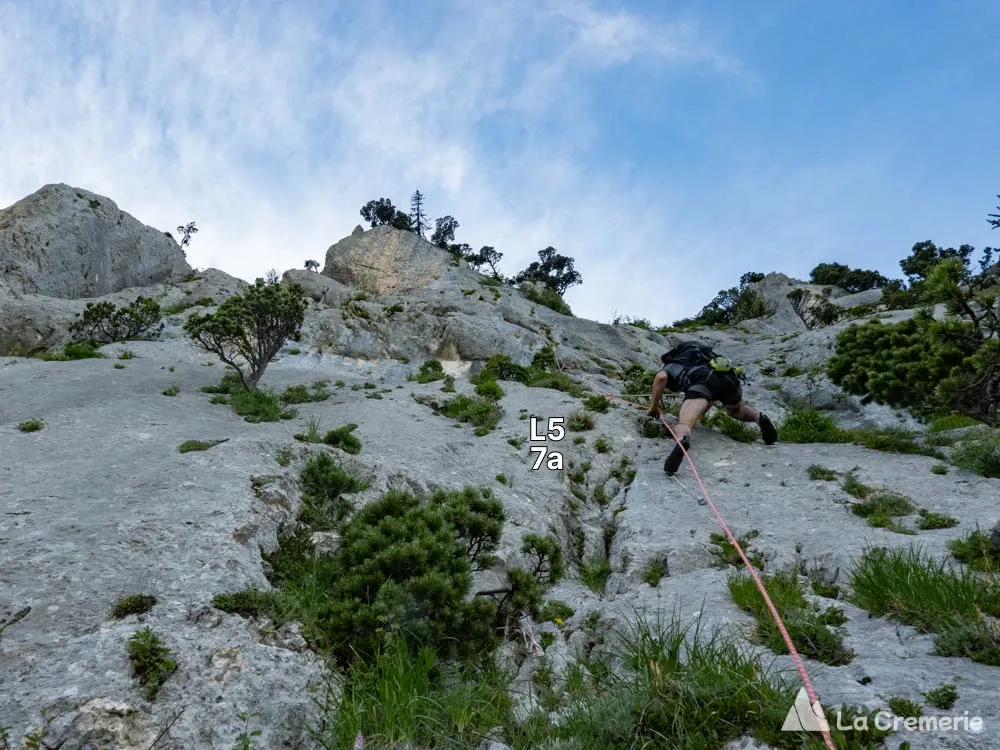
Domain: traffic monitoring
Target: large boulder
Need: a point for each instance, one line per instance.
(66, 242)
(384, 260)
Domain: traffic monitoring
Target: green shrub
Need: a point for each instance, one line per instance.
(939, 469)
(324, 481)
(904, 707)
(136, 604)
(597, 403)
(806, 624)
(976, 550)
(602, 446)
(555, 609)
(251, 327)
(542, 295)
(430, 370)
(542, 373)
(979, 453)
(481, 412)
(810, 426)
(404, 569)
(929, 521)
(301, 394)
(343, 439)
(31, 425)
(259, 406)
(172, 390)
(151, 662)
(579, 421)
(943, 696)
(489, 388)
(103, 322)
(880, 508)
(449, 385)
(82, 350)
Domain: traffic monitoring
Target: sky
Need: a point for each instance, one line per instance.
(667, 147)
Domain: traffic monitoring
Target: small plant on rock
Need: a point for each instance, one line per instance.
(31, 425)
(136, 604)
(151, 662)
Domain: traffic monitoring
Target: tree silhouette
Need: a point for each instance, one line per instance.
(418, 220)
(186, 232)
(994, 219)
(382, 212)
(487, 256)
(551, 269)
(444, 232)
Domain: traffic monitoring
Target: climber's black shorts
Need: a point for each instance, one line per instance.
(715, 386)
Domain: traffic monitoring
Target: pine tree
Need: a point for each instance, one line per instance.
(418, 220)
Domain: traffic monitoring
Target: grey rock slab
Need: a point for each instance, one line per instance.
(67, 242)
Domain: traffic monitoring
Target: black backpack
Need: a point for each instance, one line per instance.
(697, 354)
(689, 354)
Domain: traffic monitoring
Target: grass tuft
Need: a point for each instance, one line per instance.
(31, 425)
(151, 662)
(136, 604)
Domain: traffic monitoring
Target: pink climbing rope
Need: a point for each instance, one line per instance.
(813, 699)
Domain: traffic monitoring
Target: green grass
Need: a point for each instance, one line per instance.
(594, 573)
(681, 688)
(31, 425)
(151, 662)
(976, 550)
(726, 554)
(126, 354)
(943, 696)
(136, 604)
(742, 432)
(260, 406)
(449, 385)
(951, 422)
(808, 626)
(911, 587)
(930, 520)
(172, 390)
(79, 350)
(979, 452)
(601, 445)
(892, 440)
(396, 698)
(654, 571)
(817, 472)
(813, 426)
(248, 603)
(301, 394)
(119, 366)
(516, 442)
(343, 439)
(853, 487)
(555, 609)
(197, 445)
(939, 469)
(881, 508)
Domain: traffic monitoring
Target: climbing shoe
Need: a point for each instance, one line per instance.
(673, 462)
(767, 430)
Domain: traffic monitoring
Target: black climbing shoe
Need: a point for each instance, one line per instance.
(767, 430)
(673, 462)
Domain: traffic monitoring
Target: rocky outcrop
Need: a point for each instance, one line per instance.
(69, 243)
(384, 260)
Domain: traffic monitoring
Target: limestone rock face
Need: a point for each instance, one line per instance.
(69, 243)
(385, 260)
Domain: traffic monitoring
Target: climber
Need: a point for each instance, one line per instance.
(694, 369)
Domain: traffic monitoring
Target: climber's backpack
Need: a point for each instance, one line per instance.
(696, 354)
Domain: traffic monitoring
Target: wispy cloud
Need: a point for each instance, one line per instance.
(271, 124)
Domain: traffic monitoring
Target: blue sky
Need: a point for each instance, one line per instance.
(668, 147)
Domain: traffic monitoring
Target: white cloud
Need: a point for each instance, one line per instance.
(271, 124)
